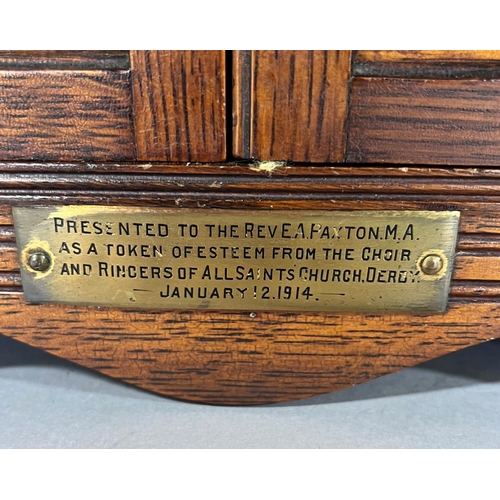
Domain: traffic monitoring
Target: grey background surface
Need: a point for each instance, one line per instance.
(450, 402)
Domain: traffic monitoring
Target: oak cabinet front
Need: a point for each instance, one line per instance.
(263, 131)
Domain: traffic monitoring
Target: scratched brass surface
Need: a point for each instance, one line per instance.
(247, 260)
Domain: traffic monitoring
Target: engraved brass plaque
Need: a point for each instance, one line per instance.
(380, 261)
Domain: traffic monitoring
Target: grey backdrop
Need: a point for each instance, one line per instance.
(450, 402)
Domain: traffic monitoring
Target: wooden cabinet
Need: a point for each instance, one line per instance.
(311, 107)
(261, 130)
(399, 107)
(113, 106)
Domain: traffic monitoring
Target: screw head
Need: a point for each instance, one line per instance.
(431, 264)
(39, 261)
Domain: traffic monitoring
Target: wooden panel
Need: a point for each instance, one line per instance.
(11, 280)
(477, 266)
(240, 358)
(242, 103)
(64, 59)
(179, 105)
(428, 64)
(475, 242)
(426, 55)
(424, 121)
(298, 105)
(474, 289)
(8, 257)
(6, 233)
(61, 115)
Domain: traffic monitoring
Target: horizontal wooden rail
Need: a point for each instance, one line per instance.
(331, 184)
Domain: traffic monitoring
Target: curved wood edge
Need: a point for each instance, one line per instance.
(244, 358)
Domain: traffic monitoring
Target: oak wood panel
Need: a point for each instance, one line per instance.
(10, 280)
(297, 107)
(239, 358)
(440, 64)
(426, 55)
(422, 69)
(7, 233)
(424, 121)
(64, 59)
(8, 257)
(471, 289)
(242, 103)
(179, 105)
(61, 115)
(433, 64)
(471, 242)
(477, 266)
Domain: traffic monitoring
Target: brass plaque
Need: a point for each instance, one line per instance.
(380, 261)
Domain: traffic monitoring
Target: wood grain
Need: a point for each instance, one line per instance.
(297, 108)
(478, 214)
(471, 289)
(424, 121)
(477, 266)
(61, 115)
(428, 64)
(10, 280)
(426, 55)
(64, 59)
(7, 233)
(429, 70)
(179, 105)
(8, 257)
(242, 103)
(252, 169)
(328, 184)
(235, 358)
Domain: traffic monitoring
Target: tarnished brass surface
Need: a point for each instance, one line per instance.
(362, 261)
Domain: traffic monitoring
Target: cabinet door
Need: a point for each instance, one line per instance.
(428, 107)
(113, 106)
(179, 105)
(290, 105)
(420, 107)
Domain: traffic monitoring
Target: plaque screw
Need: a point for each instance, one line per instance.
(39, 261)
(432, 264)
